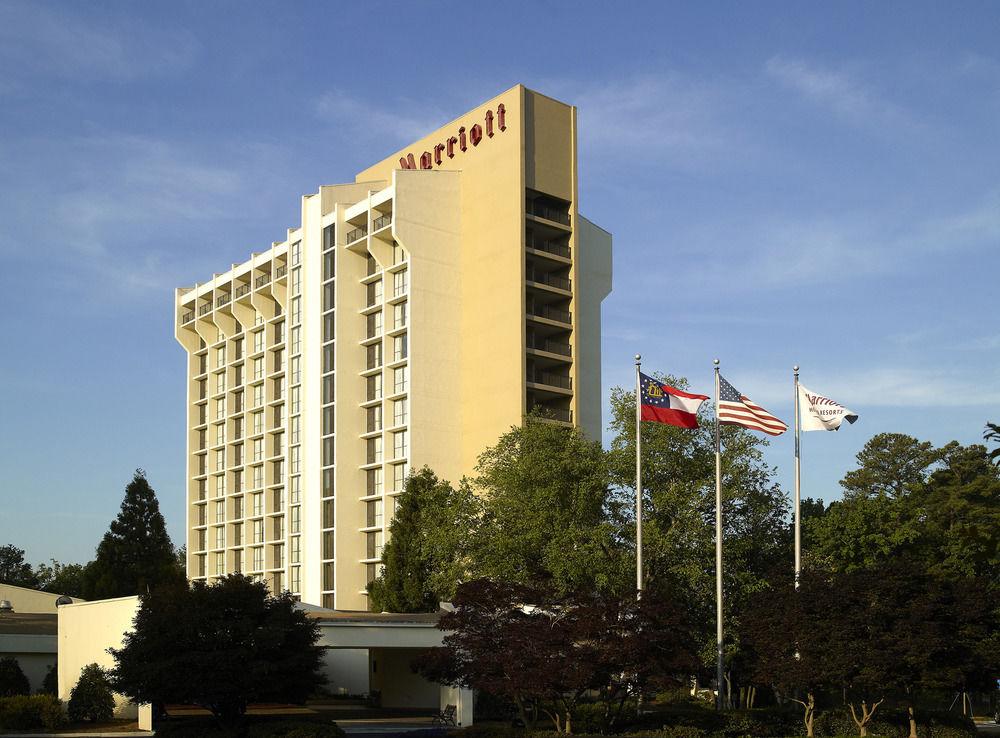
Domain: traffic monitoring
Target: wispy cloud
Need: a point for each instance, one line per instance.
(65, 42)
(355, 117)
(843, 94)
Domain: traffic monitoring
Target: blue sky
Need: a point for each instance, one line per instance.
(786, 183)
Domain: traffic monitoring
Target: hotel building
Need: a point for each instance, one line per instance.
(410, 319)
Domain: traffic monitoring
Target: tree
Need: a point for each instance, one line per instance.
(66, 579)
(12, 680)
(544, 650)
(992, 433)
(544, 489)
(220, 646)
(13, 569)
(425, 555)
(91, 698)
(136, 553)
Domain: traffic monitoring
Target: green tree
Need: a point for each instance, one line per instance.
(91, 698)
(424, 557)
(12, 680)
(136, 553)
(221, 646)
(66, 579)
(544, 490)
(13, 568)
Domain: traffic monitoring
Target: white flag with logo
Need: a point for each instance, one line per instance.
(822, 413)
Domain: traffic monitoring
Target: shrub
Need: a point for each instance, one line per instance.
(50, 684)
(91, 698)
(22, 712)
(12, 679)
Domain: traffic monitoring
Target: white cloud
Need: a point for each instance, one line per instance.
(74, 45)
(839, 92)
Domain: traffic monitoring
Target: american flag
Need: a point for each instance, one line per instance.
(737, 409)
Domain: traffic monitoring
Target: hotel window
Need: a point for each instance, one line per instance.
(399, 379)
(294, 430)
(258, 531)
(295, 486)
(399, 444)
(258, 395)
(373, 479)
(220, 537)
(295, 520)
(296, 343)
(328, 514)
(220, 357)
(399, 283)
(400, 347)
(258, 477)
(220, 408)
(258, 449)
(374, 419)
(398, 477)
(329, 326)
(220, 564)
(296, 370)
(296, 250)
(258, 341)
(295, 550)
(374, 386)
(294, 461)
(294, 579)
(374, 451)
(258, 368)
(258, 558)
(399, 315)
(399, 412)
(220, 460)
(220, 382)
(296, 280)
(258, 423)
(328, 576)
(328, 544)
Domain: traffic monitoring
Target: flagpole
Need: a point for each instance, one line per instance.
(798, 496)
(718, 547)
(638, 478)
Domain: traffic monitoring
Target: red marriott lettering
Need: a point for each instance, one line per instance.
(474, 136)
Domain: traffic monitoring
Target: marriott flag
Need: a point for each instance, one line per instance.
(822, 413)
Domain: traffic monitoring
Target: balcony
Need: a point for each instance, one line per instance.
(544, 211)
(560, 283)
(550, 313)
(382, 222)
(357, 234)
(551, 247)
(241, 290)
(261, 280)
(550, 379)
(553, 347)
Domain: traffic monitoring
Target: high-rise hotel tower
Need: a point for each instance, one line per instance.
(412, 317)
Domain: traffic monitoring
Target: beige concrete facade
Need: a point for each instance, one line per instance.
(410, 319)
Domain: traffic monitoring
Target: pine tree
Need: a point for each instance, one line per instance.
(136, 553)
